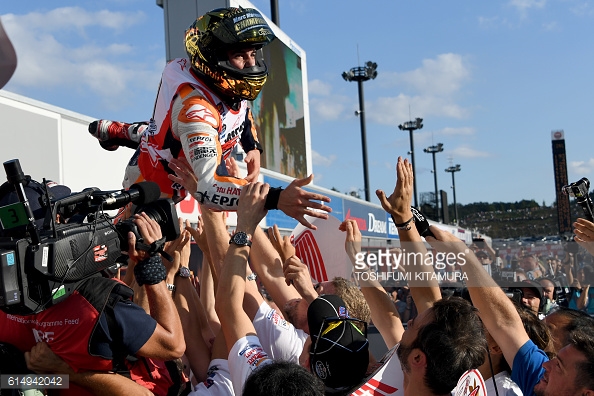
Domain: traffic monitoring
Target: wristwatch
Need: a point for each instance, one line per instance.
(240, 238)
(184, 272)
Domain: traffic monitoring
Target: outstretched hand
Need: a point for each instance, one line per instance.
(281, 244)
(250, 210)
(184, 174)
(178, 249)
(584, 234)
(252, 161)
(399, 202)
(296, 202)
(352, 243)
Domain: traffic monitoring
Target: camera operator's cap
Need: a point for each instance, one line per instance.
(528, 284)
(339, 352)
(35, 193)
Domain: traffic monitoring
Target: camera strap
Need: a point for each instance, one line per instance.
(154, 248)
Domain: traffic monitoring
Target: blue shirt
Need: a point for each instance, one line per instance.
(527, 369)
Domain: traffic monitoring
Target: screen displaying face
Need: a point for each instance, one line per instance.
(279, 113)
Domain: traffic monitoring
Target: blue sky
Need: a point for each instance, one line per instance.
(490, 79)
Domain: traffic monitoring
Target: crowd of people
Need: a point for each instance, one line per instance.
(251, 321)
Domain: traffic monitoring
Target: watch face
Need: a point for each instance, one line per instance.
(184, 272)
(241, 239)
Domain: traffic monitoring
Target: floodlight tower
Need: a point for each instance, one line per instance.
(434, 150)
(360, 74)
(453, 170)
(411, 126)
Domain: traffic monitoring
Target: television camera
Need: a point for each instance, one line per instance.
(42, 260)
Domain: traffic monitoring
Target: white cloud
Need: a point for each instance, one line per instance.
(318, 159)
(54, 50)
(434, 88)
(488, 22)
(395, 110)
(319, 87)
(551, 26)
(326, 108)
(442, 76)
(467, 152)
(464, 131)
(582, 167)
(582, 9)
(523, 5)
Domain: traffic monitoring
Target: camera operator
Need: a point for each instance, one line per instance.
(99, 329)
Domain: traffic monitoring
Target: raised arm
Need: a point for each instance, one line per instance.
(398, 205)
(187, 302)
(167, 341)
(495, 309)
(235, 323)
(383, 312)
(268, 265)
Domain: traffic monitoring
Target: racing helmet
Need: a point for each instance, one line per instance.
(209, 38)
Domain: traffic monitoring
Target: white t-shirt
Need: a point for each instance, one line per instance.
(279, 338)
(245, 356)
(505, 385)
(387, 379)
(218, 381)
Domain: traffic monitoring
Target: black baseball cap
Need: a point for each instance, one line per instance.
(339, 353)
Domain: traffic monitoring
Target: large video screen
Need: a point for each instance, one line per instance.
(279, 113)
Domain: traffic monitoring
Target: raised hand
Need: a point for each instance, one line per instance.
(252, 160)
(281, 244)
(184, 174)
(399, 202)
(352, 243)
(232, 167)
(296, 202)
(250, 210)
(584, 234)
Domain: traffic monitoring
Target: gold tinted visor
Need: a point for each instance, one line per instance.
(248, 88)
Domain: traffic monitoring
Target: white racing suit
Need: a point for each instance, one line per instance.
(191, 119)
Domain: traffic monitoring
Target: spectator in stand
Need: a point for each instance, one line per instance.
(557, 272)
(583, 295)
(549, 292)
(531, 266)
(485, 260)
(402, 303)
(520, 274)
